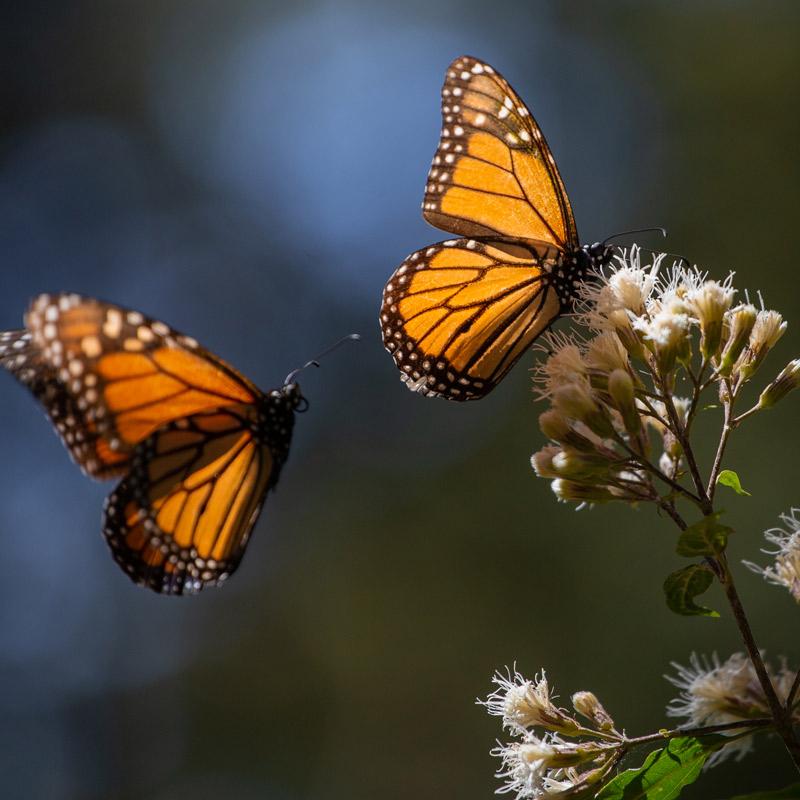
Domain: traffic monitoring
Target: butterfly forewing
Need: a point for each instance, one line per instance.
(181, 518)
(109, 377)
(493, 173)
(457, 315)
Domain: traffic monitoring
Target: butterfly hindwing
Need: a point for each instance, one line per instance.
(108, 377)
(493, 173)
(457, 315)
(180, 520)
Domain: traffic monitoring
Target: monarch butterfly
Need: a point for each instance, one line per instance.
(457, 315)
(197, 444)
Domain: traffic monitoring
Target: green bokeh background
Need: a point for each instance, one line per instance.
(410, 552)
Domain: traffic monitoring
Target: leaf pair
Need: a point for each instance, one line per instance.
(707, 538)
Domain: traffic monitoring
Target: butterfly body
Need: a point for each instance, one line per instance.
(197, 445)
(457, 315)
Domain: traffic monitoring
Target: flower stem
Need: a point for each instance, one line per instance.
(727, 428)
(793, 693)
(644, 463)
(676, 517)
(745, 414)
(708, 730)
(780, 715)
(680, 434)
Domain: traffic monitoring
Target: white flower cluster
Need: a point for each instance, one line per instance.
(717, 693)
(613, 392)
(559, 758)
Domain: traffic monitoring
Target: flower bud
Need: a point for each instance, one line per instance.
(542, 462)
(581, 492)
(557, 756)
(605, 353)
(708, 304)
(788, 379)
(740, 323)
(587, 704)
(580, 466)
(575, 401)
(768, 328)
(554, 425)
(626, 334)
(620, 387)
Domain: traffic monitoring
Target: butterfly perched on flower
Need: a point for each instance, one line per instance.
(197, 445)
(457, 315)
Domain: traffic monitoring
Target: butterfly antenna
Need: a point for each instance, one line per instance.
(662, 231)
(351, 337)
(681, 259)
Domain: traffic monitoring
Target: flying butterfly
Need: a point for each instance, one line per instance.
(198, 445)
(457, 315)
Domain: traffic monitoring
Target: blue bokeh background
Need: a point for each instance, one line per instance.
(251, 172)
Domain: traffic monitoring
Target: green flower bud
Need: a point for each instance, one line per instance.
(708, 305)
(769, 327)
(580, 466)
(542, 462)
(587, 704)
(740, 323)
(626, 334)
(554, 425)
(788, 379)
(575, 401)
(621, 389)
(581, 492)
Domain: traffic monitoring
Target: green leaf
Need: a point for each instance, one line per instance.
(663, 774)
(730, 479)
(705, 538)
(789, 793)
(682, 586)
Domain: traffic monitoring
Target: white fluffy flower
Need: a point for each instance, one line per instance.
(523, 704)
(625, 287)
(717, 693)
(785, 571)
(527, 768)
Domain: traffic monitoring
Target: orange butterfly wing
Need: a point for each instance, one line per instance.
(182, 517)
(109, 377)
(493, 173)
(456, 316)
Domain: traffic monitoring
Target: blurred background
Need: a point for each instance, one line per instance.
(251, 172)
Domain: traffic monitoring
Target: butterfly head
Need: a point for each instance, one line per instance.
(598, 254)
(293, 397)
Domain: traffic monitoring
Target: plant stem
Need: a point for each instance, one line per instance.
(708, 730)
(793, 693)
(653, 469)
(780, 715)
(677, 518)
(745, 414)
(697, 383)
(727, 428)
(680, 435)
